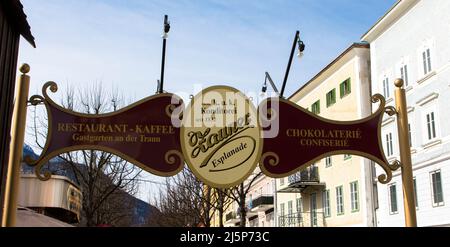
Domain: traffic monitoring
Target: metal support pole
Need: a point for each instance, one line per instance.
(16, 148)
(297, 34)
(163, 61)
(274, 87)
(405, 155)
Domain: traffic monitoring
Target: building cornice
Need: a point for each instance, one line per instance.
(391, 16)
(329, 67)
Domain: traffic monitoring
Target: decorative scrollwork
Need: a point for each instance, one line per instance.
(390, 110)
(172, 156)
(52, 86)
(169, 109)
(29, 160)
(394, 165)
(378, 97)
(388, 168)
(36, 100)
(38, 171)
(272, 158)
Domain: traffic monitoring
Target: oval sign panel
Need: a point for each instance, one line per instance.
(220, 136)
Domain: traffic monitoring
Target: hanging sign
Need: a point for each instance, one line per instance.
(141, 133)
(304, 138)
(220, 136)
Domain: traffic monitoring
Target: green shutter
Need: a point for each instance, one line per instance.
(341, 89)
(349, 86)
(318, 107)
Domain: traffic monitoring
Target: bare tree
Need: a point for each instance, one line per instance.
(223, 202)
(106, 180)
(239, 193)
(185, 201)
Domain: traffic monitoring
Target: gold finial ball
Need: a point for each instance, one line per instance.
(398, 82)
(25, 68)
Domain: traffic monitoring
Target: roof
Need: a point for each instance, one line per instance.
(351, 47)
(14, 13)
(393, 14)
(29, 218)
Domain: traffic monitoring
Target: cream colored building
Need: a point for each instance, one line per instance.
(338, 190)
(259, 203)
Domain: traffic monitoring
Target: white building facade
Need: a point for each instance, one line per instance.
(411, 41)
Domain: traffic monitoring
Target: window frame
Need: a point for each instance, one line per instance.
(343, 90)
(416, 199)
(426, 60)
(386, 88)
(441, 203)
(326, 203)
(390, 198)
(340, 200)
(356, 202)
(404, 74)
(331, 97)
(328, 161)
(315, 107)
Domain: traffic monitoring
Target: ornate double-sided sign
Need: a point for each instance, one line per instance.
(141, 133)
(220, 136)
(304, 138)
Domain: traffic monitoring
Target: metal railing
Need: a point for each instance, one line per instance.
(306, 219)
(310, 174)
(262, 200)
(230, 216)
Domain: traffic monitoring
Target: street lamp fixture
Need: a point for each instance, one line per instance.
(301, 48)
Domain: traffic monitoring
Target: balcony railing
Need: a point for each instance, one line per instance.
(307, 219)
(230, 216)
(310, 174)
(263, 202)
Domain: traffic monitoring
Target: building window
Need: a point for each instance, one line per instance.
(386, 91)
(393, 207)
(326, 203)
(331, 97)
(299, 210)
(431, 126)
(328, 161)
(436, 182)
(389, 148)
(345, 88)
(339, 200)
(347, 156)
(313, 209)
(415, 193)
(282, 216)
(404, 74)
(315, 108)
(354, 196)
(409, 135)
(426, 59)
(290, 208)
(299, 205)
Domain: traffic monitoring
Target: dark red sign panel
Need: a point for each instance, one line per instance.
(141, 133)
(304, 138)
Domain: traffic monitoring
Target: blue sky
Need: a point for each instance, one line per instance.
(118, 42)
